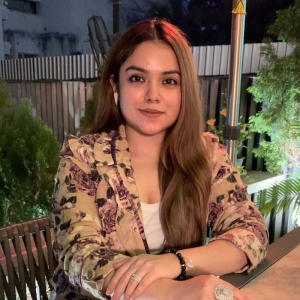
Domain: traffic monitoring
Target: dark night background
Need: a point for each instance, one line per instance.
(208, 22)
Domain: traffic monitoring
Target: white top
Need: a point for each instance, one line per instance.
(152, 226)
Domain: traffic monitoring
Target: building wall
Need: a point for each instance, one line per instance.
(3, 17)
(20, 33)
(20, 21)
(70, 17)
(59, 27)
(23, 43)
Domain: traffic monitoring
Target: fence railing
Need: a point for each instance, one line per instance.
(278, 224)
(60, 104)
(54, 68)
(209, 60)
(60, 86)
(215, 60)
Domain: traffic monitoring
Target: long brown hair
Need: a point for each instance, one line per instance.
(184, 172)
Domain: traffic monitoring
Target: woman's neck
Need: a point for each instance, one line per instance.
(143, 145)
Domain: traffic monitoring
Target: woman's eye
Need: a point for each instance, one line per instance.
(135, 78)
(170, 81)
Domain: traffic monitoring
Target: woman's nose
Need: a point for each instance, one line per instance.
(152, 92)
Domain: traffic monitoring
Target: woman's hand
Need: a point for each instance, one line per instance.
(147, 267)
(202, 288)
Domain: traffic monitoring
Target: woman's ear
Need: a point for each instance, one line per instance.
(115, 89)
(113, 84)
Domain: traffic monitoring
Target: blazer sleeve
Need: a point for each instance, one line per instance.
(84, 255)
(231, 213)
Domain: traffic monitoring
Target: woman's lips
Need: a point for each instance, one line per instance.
(151, 113)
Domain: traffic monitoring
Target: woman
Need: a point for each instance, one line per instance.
(147, 181)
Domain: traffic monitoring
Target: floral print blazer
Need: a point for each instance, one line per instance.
(98, 219)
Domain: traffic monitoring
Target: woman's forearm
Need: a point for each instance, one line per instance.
(199, 287)
(217, 258)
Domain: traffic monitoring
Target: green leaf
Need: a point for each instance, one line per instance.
(279, 196)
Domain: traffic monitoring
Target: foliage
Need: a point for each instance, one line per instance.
(28, 161)
(245, 132)
(280, 196)
(87, 120)
(278, 89)
(282, 28)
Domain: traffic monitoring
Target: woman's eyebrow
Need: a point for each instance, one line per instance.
(171, 72)
(136, 68)
(133, 67)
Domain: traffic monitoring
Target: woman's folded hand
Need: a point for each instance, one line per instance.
(133, 276)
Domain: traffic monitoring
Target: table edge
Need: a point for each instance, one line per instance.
(276, 251)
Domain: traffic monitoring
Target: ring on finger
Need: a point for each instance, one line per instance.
(136, 277)
(223, 292)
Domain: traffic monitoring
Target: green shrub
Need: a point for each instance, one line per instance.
(28, 161)
(86, 122)
(278, 89)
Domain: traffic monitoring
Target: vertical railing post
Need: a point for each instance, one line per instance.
(231, 130)
(117, 15)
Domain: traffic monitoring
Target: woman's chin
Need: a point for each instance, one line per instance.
(147, 130)
(152, 131)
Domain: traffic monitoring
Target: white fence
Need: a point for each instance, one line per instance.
(60, 104)
(209, 60)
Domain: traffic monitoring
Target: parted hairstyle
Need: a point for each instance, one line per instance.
(184, 171)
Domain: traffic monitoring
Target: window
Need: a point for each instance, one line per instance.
(25, 6)
(26, 55)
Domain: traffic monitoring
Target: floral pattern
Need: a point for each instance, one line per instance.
(79, 180)
(98, 218)
(107, 215)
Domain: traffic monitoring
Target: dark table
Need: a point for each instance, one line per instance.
(278, 276)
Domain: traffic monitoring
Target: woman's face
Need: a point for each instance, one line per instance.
(150, 89)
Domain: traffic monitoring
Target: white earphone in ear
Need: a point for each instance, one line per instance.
(116, 96)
